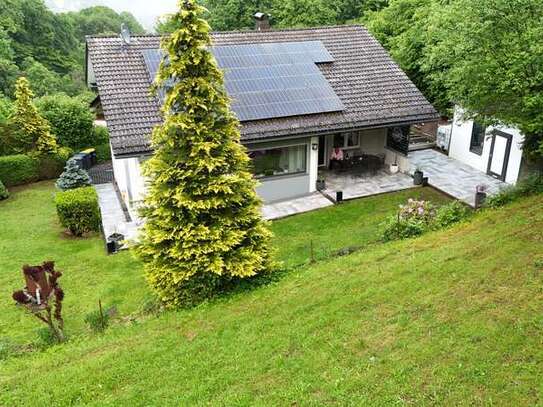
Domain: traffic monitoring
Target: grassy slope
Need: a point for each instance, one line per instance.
(352, 224)
(451, 318)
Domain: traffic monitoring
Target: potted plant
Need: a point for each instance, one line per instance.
(394, 168)
(321, 184)
(418, 176)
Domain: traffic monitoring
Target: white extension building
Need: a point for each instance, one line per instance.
(495, 150)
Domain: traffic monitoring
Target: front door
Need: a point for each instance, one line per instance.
(499, 154)
(322, 151)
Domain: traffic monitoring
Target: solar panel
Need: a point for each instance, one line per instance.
(270, 80)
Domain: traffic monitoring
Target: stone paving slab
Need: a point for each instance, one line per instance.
(289, 207)
(358, 186)
(452, 176)
(113, 218)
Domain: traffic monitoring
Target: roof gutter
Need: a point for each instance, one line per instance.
(145, 153)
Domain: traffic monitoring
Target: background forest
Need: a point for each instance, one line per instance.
(491, 63)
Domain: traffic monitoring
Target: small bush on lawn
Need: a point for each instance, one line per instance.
(78, 210)
(528, 186)
(18, 169)
(418, 217)
(98, 320)
(73, 177)
(4, 194)
(450, 214)
(412, 219)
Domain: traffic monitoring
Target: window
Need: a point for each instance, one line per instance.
(279, 161)
(347, 140)
(398, 139)
(477, 138)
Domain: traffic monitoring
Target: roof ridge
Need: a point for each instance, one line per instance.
(248, 31)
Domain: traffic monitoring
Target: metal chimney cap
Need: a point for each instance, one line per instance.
(125, 34)
(260, 16)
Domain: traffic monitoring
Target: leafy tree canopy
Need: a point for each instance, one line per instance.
(48, 48)
(226, 15)
(70, 118)
(101, 20)
(492, 63)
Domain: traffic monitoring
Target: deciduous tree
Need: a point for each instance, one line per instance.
(494, 53)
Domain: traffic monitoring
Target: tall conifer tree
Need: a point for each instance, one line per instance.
(33, 132)
(203, 224)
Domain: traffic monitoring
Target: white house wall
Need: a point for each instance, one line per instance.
(459, 147)
(272, 189)
(130, 180)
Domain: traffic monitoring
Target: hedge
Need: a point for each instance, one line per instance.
(78, 210)
(18, 169)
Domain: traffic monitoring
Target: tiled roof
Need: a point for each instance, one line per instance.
(373, 89)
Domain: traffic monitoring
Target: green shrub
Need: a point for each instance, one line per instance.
(395, 229)
(18, 169)
(412, 219)
(101, 135)
(71, 120)
(78, 210)
(98, 320)
(103, 153)
(450, 214)
(418, 217)
(4, 194)
(73, 177)
(52, 165)
(531, 185)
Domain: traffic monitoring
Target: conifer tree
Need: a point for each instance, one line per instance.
(33, 132)
(73, 176)
(203, 222)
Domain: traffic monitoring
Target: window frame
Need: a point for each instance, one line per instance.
(477, 149)
(290, 174)
(346, 139)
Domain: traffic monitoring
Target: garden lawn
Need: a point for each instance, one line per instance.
(450, 318)
(351, 225)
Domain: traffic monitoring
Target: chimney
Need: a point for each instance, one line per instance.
(262, 21)
(125, 34)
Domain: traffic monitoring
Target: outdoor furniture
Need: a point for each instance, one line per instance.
(361, 164)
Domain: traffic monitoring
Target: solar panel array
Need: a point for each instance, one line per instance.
(271, 80)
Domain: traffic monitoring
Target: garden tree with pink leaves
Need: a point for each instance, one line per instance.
(203, 226)
(43, 297)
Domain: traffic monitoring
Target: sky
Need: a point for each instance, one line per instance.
(146, 11)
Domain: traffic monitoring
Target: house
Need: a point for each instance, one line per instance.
(298, 93)
(495, 150)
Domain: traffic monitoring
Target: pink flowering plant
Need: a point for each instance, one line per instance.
(412, 219)
(417, 217)
(420, 211)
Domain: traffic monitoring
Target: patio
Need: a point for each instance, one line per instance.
(356, 185)
(451, 176)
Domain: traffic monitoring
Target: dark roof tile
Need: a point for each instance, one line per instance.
(373, 89)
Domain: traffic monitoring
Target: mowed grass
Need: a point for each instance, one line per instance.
(451, 318)
(352, 225)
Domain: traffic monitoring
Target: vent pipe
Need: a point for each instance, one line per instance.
(125, 34)
(262, 21)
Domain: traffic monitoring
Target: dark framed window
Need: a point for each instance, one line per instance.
(398, 139)
(347, 140)
(279, 161)
(477, 138)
